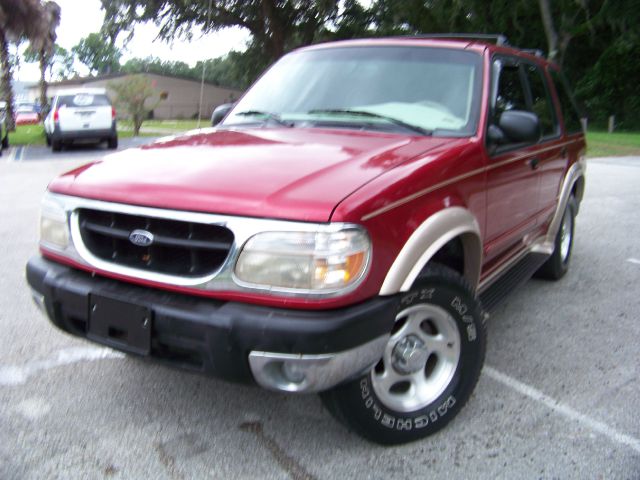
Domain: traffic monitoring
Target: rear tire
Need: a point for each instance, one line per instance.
(56, 145)
(48, 140)
(558, 263)
(428, 370)
(113, 143)
(5, 141)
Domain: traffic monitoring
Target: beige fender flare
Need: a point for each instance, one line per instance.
(576, 173)
(427, 239)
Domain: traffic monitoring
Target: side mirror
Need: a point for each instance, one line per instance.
(220, 112)
(519, 126)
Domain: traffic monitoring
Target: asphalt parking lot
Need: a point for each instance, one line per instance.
(559, 396)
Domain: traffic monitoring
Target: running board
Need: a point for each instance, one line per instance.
(513, 278)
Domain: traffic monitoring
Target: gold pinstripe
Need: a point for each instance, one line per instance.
(464, 176)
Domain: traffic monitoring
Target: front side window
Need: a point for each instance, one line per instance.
(510, 94)
(430, 90)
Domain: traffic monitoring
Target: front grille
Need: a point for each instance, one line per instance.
(179, 248)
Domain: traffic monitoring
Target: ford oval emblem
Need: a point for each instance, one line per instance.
(141, 238)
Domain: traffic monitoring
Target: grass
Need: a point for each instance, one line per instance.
(153, 127)
(27, 135)
(603, 144)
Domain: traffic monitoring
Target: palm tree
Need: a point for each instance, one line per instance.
(16, 22)
(44, 43)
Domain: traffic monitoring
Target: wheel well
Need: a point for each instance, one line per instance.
(450, 255)
(578, 189)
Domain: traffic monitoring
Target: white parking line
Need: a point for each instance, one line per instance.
(11, 375)
(563, 409)
(20, 155)
(11, 154)
(633, 260)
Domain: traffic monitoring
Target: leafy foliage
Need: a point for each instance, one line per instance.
(136, 95)
(98, 54)
(19, 20)
(235, 70)
(611, 85)
(275, 25)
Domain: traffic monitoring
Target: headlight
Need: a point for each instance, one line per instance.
(304, 261)
(54, 227)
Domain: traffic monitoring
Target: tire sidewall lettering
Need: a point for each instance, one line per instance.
(463, 313)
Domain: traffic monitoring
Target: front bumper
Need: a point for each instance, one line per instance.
(282, 349)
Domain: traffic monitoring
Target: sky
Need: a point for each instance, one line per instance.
(79, 18)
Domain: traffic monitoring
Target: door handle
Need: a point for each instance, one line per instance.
(534, 162)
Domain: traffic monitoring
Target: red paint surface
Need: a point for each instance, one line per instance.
(27, 118)
(296, 174)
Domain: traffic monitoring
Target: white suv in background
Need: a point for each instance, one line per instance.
(81, 114)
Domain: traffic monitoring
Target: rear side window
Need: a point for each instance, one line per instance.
(541, 103)
(83, 100)
(570, 114)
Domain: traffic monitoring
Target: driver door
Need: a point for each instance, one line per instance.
(513, 181)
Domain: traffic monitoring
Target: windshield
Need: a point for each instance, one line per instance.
(381, 88)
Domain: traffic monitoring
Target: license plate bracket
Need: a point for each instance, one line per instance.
(119, 324)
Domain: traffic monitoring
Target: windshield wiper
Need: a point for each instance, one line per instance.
(400, 123)
(268, 115)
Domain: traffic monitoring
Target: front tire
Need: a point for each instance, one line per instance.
(428, 370)
(5, 142)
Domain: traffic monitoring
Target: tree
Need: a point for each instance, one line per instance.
(16, 22)
(235, 69)
(135, 95)
(275, 25)
(60, 65)
(157, 65)
(44, 44)
(97, 54)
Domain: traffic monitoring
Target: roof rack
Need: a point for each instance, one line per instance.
(533, 51)
(498, 39)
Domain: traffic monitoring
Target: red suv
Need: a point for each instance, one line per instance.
(343, 230)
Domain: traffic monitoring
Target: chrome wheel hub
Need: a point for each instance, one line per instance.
(409, 355)
(419, 360)
(565, 236)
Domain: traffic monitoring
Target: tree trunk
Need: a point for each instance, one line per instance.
(44, 103)
(549, 29)
(274, 31)
(5, 81)
(137, 124)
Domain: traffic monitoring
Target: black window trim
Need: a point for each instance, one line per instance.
(516, 61)
(508, 60)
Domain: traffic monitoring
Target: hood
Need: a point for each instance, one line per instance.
(286, 173)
